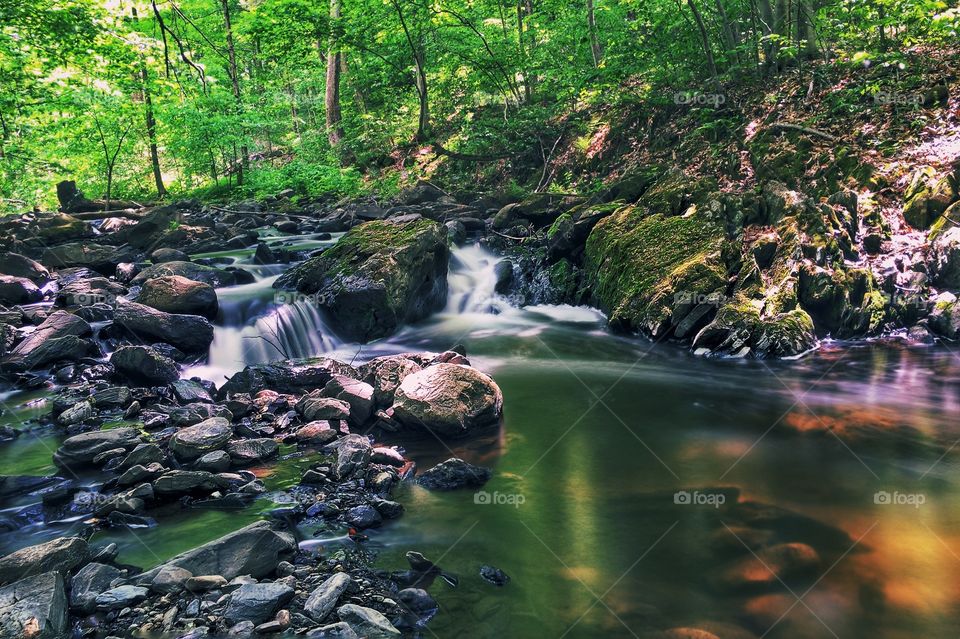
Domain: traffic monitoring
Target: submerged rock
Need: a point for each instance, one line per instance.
(144, 364)
(453, 474)
(449, 400)
(83, 449)
(378, 276)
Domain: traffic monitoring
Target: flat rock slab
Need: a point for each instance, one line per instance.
(34, 607)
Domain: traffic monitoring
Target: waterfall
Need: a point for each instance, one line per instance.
(472, 282)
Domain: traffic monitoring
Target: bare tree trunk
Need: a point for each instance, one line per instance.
(594, 39)
(704, 39)
(151, 122)
(235, 79)
(522, 49)
(416, 52)
(332, 95)
(730, 32)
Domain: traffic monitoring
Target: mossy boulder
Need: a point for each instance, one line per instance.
(843, 302)
(649, 273)
(215, 277)
(742, 328)
(569, 232)
(944, 319)
(927, 197)
(58, 227)
(537, 209)
(943, 260)
(378, 276)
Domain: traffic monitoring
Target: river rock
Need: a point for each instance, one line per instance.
(318, 432)
(448, 400)
(142, 455)
(770, 566)
(89, 582)
(257, 602)
(339, 630)
(58, 337)
(249, 451)
(323, 599)
(162, 255)
(363, 516)
(61, 555)
(170, 579)
(22, 266)
(494, 575)
(76, 414)
(353, 455)
(121, 597)
(356, 393)
(18, 290)
(185, 482)
(253, 550)
(189, 391)
(315, 406)
(144, 364)
(453, 474)
(112, 397)
(177, 294)
(214, 462)
(34, 608)
(98, 257)
(83, 448)
(215, 277)
(386, 373)
(189, 333)
(195, 441)
(367, 622)
(287, 376)
(380, 275)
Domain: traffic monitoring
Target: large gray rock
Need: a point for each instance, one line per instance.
(190, 333)
(215, 277)
(454, 473)
(358, 394)
(353, 455)
(90, 581)
(196, 441)
(58, 337)
(121, 597)
(60, 555)
(253, 550)
(315, 406)
(22, 266)
(250, 451)
(448, 400)
(81, 449)
(98, 257)
(184, 482)
(144, 364)
(177, 294)
(378, 276)
(256, 602)
(386, 373)
(18, 290)
(367, 622)
(323, 599)
(34, 608)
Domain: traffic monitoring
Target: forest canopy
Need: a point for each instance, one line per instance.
(144, 99)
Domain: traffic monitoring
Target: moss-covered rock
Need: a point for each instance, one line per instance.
(537, 209)
(741, 328)
(944, 320)
(927, 197)
(944, 259)
(844, 302)
(649, 273)
(378, 276)
(569, 232)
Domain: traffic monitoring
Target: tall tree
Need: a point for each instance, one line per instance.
(334, 64)
(235, 82)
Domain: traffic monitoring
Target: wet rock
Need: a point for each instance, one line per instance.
(288, 376)
(383, 455)
(90, 581)
(944, 260)
(358, 394)
(324, 597)
(18, 290)
(339, 630)
(256, 602)
(76, 414)
(57, 338)
(34, 608)
(367, 622)
(249, 451)
(195, 413)
(494, 576)
(353, 455)
(215, 277)
(61, 555)
(121, 597)
(214, 462)
(195, 441)
(254, 550)
(314, 407)
(418, 601)
(317, 433)
(18, 265)
(190, 333)
(364, 516)
(188, 391)
(82, 449)
(453, 474)
(143, 455)
(386, 373)
(137, 474)
(177, 294)
(144, 364)
(944, 319)
(388, 509)
(448, 400)
(927, 196)
(205, 583)
(98, 257)
(162, 255)
(171, 579)
(378, 276)
(112, 397)
(185, 482)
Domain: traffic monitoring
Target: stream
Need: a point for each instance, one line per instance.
(600, 433)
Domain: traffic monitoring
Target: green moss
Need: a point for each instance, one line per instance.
(635, 263)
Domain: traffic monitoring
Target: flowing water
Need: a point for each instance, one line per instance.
(610, 465)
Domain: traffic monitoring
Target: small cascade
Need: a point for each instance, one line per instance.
(472, 282)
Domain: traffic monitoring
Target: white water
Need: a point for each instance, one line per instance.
(472, 281)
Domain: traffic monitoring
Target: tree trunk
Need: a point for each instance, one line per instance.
(235, 80)
(704, 39)
(594, 39)
(151, 122)
(730, 32)
(416, 52)
(332, 95)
